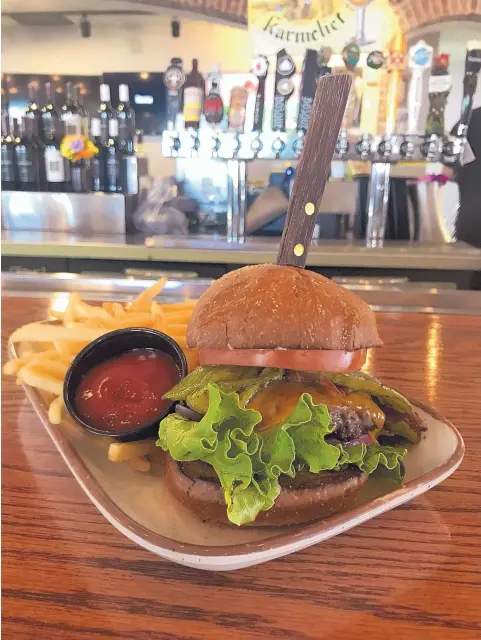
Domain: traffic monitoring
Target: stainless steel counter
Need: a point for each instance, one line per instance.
(397, 297)
(211, 250)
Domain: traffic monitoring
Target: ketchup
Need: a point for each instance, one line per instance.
(126, 391)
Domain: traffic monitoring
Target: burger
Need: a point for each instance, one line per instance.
(278, 425)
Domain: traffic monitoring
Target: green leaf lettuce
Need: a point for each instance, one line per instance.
(249, 461)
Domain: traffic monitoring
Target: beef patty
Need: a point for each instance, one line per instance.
(349, 423)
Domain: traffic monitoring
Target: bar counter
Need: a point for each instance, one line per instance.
(210, 249)
(412, 573)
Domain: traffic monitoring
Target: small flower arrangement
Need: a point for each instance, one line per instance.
(77, 147)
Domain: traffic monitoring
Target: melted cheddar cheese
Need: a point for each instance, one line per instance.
(280, 398)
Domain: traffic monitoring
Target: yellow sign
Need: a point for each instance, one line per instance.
(297, 25)
(300, 25)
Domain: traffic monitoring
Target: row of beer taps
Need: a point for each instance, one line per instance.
(391, 148)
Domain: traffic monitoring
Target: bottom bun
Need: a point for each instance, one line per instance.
(333, 493)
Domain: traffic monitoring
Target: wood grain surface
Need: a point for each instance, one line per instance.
(412, 573)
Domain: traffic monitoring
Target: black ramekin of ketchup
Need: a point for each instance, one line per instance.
(114, 387)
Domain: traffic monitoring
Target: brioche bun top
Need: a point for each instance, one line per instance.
(277, 307)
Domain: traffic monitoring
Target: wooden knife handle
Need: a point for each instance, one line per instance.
(313, 168)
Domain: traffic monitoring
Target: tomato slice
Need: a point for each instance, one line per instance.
(330, 361)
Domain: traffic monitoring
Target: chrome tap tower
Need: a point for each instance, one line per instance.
(413, 145)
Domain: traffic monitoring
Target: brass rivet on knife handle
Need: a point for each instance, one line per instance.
(313, 168)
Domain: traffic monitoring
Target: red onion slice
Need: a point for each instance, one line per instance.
(187, 412)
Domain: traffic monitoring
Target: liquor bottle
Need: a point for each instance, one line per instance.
(174, 80)
(113, 160)
(438, 90)
(9, 167)
(193, 97)
(57, 168)
(50, 115)
(213, 104)
(237, 109)
(32, 110)
(97, 163)
(106, 113)
(28, 155)
(70, 111)
(126, 117)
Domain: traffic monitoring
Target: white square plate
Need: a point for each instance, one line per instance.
(139, 505)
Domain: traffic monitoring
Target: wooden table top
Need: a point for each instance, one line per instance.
(411, 573)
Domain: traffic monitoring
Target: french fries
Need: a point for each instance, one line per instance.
(55, 410)
(40, 332)
(48, 349)
(122, 451)
(35, 377)
(144, 300)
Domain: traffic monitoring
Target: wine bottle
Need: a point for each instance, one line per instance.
(83, 113)
(9, 167)
(70, 111)
(106, 113)
(97, 163)
(28, 155)
(57, 168)
(126, 117)
(80, 175)
(193, 97)
(113, 160)
(139, 146)
(32, 110)
(50, 115)
(129, 174)
(126, 121)
(80, 172)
